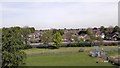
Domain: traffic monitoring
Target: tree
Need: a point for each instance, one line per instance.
(109, 29)
(61, 31)
(25, 31)
(57, 39)
(91, 35)
(116, 29)
(100, 39)
(47, 37)
(69, 36)
(102, 29)
(11, 44)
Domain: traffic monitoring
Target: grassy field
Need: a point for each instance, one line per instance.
(71, 59)
(62, 49)
(74, 59)
(112, 53)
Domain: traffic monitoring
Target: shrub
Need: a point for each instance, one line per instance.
(27, 47)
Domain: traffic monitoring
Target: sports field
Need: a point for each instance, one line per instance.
(68, 59)
(76, 59)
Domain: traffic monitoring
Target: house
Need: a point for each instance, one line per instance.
(82, 35)
(35, 37)
(115, 36)
(70, 35)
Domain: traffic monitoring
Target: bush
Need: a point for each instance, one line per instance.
(53, 47)
(84, 44)
(114, 44)
(27, 47)
(79, 44)
(110, 44)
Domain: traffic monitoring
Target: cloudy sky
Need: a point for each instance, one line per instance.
(60, 14)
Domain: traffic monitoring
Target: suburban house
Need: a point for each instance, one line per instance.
(35, 37)
(71, 35)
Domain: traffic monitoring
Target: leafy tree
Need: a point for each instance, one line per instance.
(11, 44)
(109, 29)
(102, 29)
(54, 31)
(57, 39)
(47, 37)
(25, 31)
(91, 35)
(61, 31)
(32, 29)
(116, 29)
(100, 39)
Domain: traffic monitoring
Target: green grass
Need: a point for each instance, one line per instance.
(73, 59)
(38, 50)
(76, 59)
(112, 53)
(62, 49)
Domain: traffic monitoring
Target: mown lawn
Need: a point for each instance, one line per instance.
(67, 59)
(62, 49)
(112, 53)
(74, 59)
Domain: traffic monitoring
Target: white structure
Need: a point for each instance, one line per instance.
(102, 35)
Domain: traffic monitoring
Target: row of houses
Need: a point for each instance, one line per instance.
(73, 35)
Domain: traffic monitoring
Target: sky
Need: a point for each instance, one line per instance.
(59, 14)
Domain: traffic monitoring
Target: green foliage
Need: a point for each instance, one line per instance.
(12, 42)
(61, 31)
(109, 30)
(25, 32)
(57, 39)
(79, 44)
(102, 29)
(116, 29)
(91, 35)
(47, 37)
(99, 39)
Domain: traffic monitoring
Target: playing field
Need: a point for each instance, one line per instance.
(64, 49)
(65, 59)
(76, 59)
